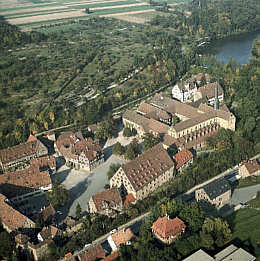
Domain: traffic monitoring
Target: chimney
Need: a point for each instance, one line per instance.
(216, 102)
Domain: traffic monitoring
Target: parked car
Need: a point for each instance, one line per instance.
(113, 231)
(88, 245)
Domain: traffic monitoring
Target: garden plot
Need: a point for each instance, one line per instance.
(42, 18)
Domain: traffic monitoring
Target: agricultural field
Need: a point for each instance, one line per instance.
(34, 13)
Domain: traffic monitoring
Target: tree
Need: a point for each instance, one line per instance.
(149, 140)
(87, 10)
(78, 211)
(172, 150)
(7, 245)
(106, 129)
(118, 149)
(132, 150)
(113, 168)
(58, 196)
(127, 132)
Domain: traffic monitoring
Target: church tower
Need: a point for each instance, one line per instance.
(216, 103)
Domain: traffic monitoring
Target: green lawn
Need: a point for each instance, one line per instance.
(245, 225)
(250, 181)
(255, 203)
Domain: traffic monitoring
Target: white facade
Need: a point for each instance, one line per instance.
(184, 93)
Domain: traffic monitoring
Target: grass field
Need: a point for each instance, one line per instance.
(249, 181)
(245, 225)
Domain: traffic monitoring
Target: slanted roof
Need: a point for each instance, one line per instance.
(47, 161)
(48, 212)
(111, 257)
(252, 166)
(129, 199)
(200, 255)
(93, 253)
(148, 166)
(9, 216)
(48, 232)
(182, 157)
(19, 151)
(216, 188)
(166, 227)
(233, 253)
(122, 236)
(208, 90)
(107, 199)
(23, 181)
(72, 145)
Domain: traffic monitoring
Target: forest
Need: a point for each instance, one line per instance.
(47, 75)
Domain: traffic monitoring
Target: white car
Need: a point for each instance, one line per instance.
(88, 245)
(113, 231)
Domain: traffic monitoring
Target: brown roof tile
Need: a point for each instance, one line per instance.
(252, 166)
(19, 151)
(182, 157)
(166, 227)
(148, 166)
(73, 145)
(93, 253)
(49, 232)
(48, 161)
(208, 90)
(23, 181)
(129, 199)
(122, 236)
(107, 199)
(111, 257)
(10, 216)
(48, 212)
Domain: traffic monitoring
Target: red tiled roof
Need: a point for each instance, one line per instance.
(182, 157)
(31, 138)
(148, 166)
(73, 145)
(208, 90)
(129, 199)
(9, 216)
(107, 199)
(23, 181)
(122, 236)
(111, 257)
(49, 232)
(166, 227)
(93, 253)
(252, 166)
(48, 212)
(48, 161)
(19, 151)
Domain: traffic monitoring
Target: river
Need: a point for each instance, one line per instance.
(238, 47)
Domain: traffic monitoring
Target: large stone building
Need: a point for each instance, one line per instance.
(217, 193)
(167, 230)
(196, 124)
(145, 173)
(78, 151)
(108, 202)
(12, 156)
(185, 90)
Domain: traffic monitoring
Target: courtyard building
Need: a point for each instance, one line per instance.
(145, 173)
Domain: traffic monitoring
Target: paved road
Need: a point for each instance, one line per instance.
(244, 195)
